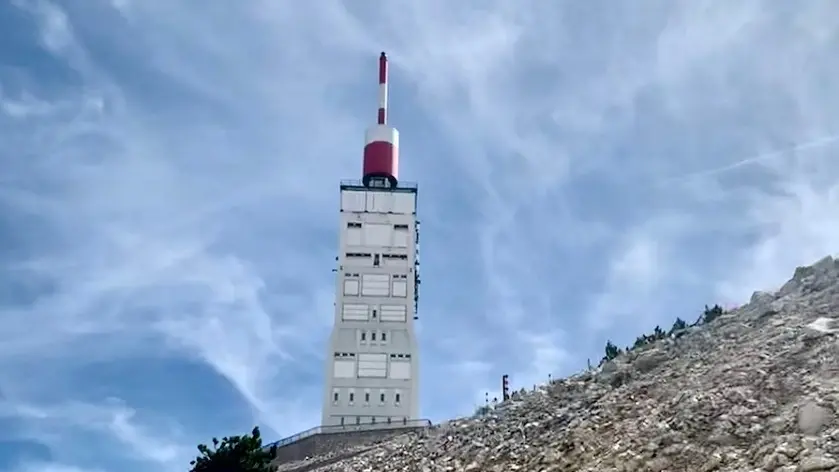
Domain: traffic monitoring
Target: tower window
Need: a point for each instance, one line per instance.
(382, 397)
(374, 314)
(352, 397)
(335, 397)
(364, 335)
(357, 420)
(342, 421)
(373, 336)
(373, 420)
(398, 397)
(367, 397)
(376, 260)
(384, 336)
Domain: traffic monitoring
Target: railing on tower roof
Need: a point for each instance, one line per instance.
(348, 429)
(400, 186)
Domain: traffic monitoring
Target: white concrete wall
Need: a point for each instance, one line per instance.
(372, 363)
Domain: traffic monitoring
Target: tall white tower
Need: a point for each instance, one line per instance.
(372, 363)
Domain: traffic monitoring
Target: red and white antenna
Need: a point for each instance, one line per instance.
(381, 144)
(382, 89)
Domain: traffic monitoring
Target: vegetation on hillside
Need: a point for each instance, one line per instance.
(708, 315)
(234, 454)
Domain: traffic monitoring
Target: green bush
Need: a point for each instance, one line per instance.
(712, 313)
(235, 454)
(678, 325)
(612, 351)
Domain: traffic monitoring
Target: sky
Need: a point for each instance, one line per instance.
(587, 171)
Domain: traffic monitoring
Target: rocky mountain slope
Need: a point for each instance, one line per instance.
(756, 389)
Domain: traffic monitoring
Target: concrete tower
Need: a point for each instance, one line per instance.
(372, 364)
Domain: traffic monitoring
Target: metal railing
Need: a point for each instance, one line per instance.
(413, 186)
(349, 428)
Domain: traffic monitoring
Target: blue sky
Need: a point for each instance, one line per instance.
(587, 170)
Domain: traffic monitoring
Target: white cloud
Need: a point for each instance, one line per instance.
(169, 192)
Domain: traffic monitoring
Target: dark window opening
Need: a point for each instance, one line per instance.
(382, 397)
(388, 419)
(357, 420)
(367, 397)
(373, 420)
(335, 397)
(353, 225)
(342, 421)
(374, 314)
(363, 335)
(373, 336)
(375, 260)
(398, 397)
(384, 336)
(352, 397)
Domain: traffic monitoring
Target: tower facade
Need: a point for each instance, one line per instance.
(372, 365)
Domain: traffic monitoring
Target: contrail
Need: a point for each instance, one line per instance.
(816, 143)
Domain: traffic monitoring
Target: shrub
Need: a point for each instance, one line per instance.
(612, 351)
(235, 454)
(712, 313)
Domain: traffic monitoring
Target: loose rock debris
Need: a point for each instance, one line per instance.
(755, 390)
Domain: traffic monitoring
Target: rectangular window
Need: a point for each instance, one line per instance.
(384, 336)
(382, 397)
(358, 259)
(343, 369)
(377, 235)
(366, 397)
(372, 365)
(400, 370)
(351, 286)
(375, 285)
(357, 420)
(354, 311)
(352, 397)
(401, 236)
(400, 288)
(376, 260)
(354, 234)
(398, 397)
(335, 397)
(394, 313)
(373, 336)
(364, 335)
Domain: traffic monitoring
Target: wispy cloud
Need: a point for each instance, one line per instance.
(586, 171)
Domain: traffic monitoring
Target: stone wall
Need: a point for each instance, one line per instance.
(330, 444)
